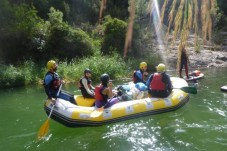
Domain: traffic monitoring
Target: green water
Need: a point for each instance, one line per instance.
(199, 125)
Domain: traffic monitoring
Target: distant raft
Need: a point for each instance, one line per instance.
(195, 75)
(224, 88)
(80, 113)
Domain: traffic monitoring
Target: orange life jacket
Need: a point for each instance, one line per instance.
(197, 72)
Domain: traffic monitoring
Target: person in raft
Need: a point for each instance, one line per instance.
(52, 81)
(184, 62)
(85, 85)
(138, 75)
(104, 95)
(159, 84)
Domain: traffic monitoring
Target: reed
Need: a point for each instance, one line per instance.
(187, 17)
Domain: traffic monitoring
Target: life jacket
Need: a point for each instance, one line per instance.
(197, 73)
(157, 83)
(98, 93)
(56, 81)
(135, 76)
(88, 83)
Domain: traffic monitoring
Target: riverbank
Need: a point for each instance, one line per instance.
(205, 58)
(209, 55)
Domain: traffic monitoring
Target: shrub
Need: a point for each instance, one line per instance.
(114, 36)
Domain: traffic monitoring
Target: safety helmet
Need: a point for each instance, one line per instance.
(87, 70)
(161, 68)
(105, 78)
(51, 64)
(143, 65)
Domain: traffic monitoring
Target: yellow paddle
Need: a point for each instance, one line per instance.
(97, 112)
(45, 127)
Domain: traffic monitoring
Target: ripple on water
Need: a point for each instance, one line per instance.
(139, 136)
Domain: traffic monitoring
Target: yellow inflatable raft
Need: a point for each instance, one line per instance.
(80, 115)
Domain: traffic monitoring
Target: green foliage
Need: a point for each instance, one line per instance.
(151, 60)
(29, 73)
(64, 41)
(221, 20)
(83, 11)
(11, 76)
(117, 9)
(114, 36)
(17, 37)
(74, 70)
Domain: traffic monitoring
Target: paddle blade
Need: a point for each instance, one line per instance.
(97, 112)
(43, 130)
(191, 90)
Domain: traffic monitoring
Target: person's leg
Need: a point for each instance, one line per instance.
(180, 72)
(112, 102)
(186, 69)
(87, 95)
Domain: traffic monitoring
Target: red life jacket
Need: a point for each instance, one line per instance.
(56, 84)
(157, 83)
(98, 93)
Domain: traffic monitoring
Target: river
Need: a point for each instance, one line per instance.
(201, 124)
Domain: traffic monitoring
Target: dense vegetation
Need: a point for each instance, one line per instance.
(34, 31)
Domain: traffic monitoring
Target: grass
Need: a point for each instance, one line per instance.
(29, 73)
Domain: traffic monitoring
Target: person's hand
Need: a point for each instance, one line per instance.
(114, 92)
(145, 74)
(110, 84)
(53, 100)
(62, 81)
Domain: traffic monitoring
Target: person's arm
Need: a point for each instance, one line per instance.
(108, 91)
(168, 82)
(47, 86)
(84, 81)
(149, 80)
(93, 88)
(110, 87)
(139, 77)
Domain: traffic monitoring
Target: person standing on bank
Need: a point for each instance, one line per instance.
(52, 81)
(85, 85)
(138, 75)
(159, 84)
(184, 62)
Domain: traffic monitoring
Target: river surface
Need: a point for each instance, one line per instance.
(200, 125)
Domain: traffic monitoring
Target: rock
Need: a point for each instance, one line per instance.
(204, 58)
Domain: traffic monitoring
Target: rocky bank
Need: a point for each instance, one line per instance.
(208, 55)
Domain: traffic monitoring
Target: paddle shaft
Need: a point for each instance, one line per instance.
(44, 128)
(191, 90)
(54, 104)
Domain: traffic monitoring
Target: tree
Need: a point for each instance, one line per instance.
(65, 42)
(186, 17)
(114, 35)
